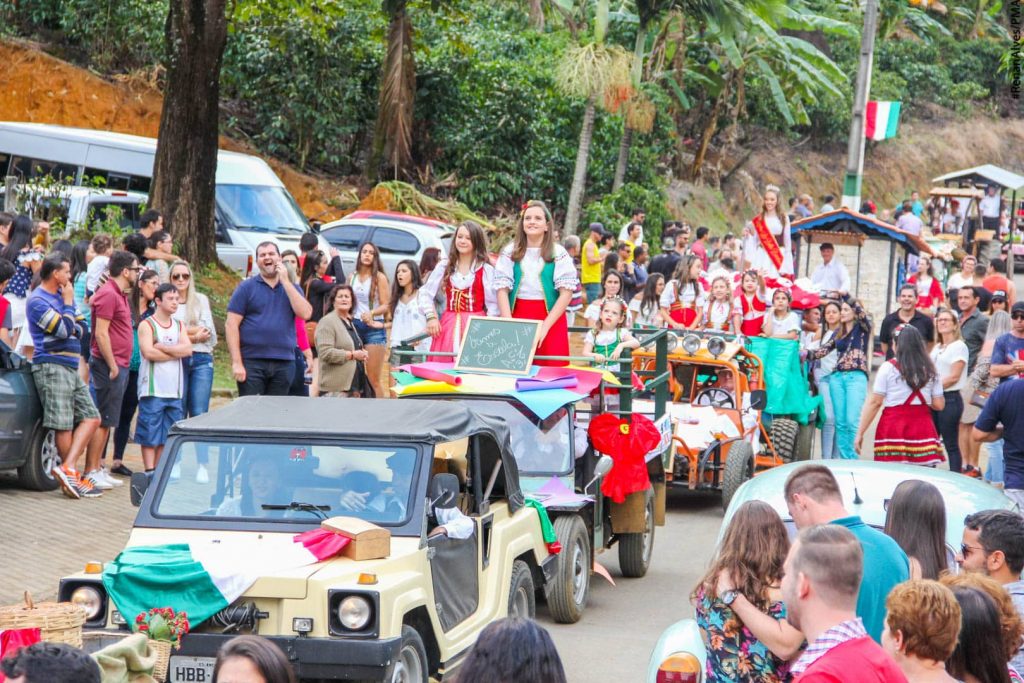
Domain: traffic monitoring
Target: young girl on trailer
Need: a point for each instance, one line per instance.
(609, 336)
(721, 314)
(535, 279)
(467, 281)
(684, 296)
(751, 302)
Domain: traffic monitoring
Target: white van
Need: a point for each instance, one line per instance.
(253, 204)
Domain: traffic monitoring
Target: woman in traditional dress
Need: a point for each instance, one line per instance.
(683, 300)
(909, 388)
(767, 243)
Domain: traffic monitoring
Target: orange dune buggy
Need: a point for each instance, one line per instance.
(718, 395)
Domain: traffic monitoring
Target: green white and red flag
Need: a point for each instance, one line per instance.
(881, 120)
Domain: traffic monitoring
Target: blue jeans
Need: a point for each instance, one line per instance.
(994, 473)
(848, 390)
(593, 291)
(198, 385)
(828, 429)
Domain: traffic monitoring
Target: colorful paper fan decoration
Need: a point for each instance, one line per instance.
(627, 443)
(323, 543)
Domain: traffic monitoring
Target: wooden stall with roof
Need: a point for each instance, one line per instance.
(874, 252)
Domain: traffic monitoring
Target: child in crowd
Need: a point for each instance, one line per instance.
(572, 247)
(721, 314)
(609, 336)
(683, 300)
(101, 245)
(536, 278)
(752, 303)
(611, 286)
(646, 306)
(782, 323)
(466, 279)
(407, 320)
(810, 327)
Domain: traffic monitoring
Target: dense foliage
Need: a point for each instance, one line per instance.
(492, 124)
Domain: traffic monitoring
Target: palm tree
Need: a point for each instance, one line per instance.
(392, 144)
(592, 71)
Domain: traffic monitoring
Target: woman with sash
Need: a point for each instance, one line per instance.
(767, 243)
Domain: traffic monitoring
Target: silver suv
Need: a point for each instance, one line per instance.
(398, 236)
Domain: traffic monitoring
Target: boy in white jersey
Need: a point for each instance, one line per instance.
(163, 342)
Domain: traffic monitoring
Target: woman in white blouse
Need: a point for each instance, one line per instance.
(950, 358)
(535, 279)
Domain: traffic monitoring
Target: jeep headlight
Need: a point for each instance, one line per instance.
(88, 598)
(354, 612)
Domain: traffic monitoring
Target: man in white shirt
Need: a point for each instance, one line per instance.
(990, 206)
(638, 217)
(831, 277)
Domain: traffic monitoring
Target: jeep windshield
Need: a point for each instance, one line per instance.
(294, 481)
(260, 208)
(540, 447)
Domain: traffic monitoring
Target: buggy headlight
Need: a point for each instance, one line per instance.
(354, 612)
(691, 344)
(89, 599)
(716, 345)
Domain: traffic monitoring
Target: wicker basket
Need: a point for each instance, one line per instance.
(58, 622)
(162, 649)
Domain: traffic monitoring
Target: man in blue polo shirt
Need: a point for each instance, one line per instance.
(1003, 418)
(813, 497)
(260, 327)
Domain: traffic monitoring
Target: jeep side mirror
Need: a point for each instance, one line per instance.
(314, 227)
(444, 487)
(601, 468)
(758, 399)
(138, 486)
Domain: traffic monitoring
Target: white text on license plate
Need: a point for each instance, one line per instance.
(191, 670)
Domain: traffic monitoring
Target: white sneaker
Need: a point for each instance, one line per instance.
(202, 476)
(96, 479)
(176, 472)
(109, 478)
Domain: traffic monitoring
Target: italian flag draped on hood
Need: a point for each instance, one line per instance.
(205, 577)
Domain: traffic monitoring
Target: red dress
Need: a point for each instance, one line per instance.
(930, 298)
(906, 433)
(753, 314)
(460, 304)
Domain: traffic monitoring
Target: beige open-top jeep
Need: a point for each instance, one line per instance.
(281, 466)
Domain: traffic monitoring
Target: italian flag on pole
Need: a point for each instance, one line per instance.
(203, 578)
(881, 119)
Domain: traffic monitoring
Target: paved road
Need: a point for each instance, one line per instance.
(614, 639)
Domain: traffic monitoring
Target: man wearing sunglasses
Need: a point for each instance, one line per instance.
(993, 544)
(1007, 359)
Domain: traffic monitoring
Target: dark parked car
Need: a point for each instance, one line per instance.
(24, 443)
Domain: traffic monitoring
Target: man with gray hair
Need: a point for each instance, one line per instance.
(820, 583)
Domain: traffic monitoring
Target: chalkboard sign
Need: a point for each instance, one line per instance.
(504, 345)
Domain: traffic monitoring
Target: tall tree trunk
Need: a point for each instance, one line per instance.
(620, 167)
(579, 176)
(392, 146)
(709, 130)
(537, 15)
(185, 168)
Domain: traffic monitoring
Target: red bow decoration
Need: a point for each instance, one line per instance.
(627, 443)
(323, 543)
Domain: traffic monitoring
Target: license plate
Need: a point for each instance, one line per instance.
(191, 670)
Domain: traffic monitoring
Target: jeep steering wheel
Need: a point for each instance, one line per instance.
(714, 396)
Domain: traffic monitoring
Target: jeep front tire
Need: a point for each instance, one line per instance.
(568, 592)
(411, 665)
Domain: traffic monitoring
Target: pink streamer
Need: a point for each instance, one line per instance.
(434, 375)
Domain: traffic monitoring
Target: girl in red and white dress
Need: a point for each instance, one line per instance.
(752, 303)
(721, 314)
(683, 300)
(536, 278)
(929, 291)
(467, 281)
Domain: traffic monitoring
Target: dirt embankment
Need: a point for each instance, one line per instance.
(40, 88)
(43, 89)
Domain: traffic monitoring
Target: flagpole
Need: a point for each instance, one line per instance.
(855, 150)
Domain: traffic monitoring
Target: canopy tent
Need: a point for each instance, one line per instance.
(879, 249)
(1005, 181)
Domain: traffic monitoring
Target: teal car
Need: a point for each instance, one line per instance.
(680, 654)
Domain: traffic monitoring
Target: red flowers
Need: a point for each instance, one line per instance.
(163, 623)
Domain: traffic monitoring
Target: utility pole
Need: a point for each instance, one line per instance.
(855, 151)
